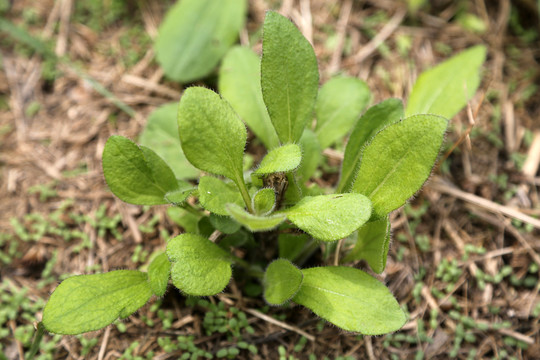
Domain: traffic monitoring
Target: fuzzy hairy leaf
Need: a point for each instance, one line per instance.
(212, 136)
(445, 89)
(330, 217)
(282, 280)
(199, 267)
(195, 35)
(240, 85)
(86, 303)
(372, 245)
(264, 201)
(158, 274)
(351, 299)
(254, 222)
(137, 175)
(399, 160)
(339, 104)
(289, 77)
(285, 158)
(161, 135)
(214, 194)
(374, 120)
(311, 155)
(224, 224)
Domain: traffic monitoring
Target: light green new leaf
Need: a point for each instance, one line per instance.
(339, 104)
(445, 89)
(177, 197)
(351, 299)
(311, 155)
(161, 135)
(158, 274)
(199, 267)
(137, 175)
(264, 201)
(212, 136)
(285, 158)
(214, 194)
(86, 303)
(195, 35)
(372, 244)
(254, 222)
(330, 217)
(289, 77)
(399, 160)
(374, 120)
(240, 84)
(282, 280)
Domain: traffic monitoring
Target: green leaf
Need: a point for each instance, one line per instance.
(264, 201)
(224, 224)
(399, 160)
(212, 136)
(339, 104)
(282, 159)
(351, 299)
(90, 302)
(311, 155)
(240, 85)
(254, 222)
(199, 267)
(161, 135)
(374, 120)
(195, 35)
(372, 245)
(214, 194)
(187, 220)
(445, 89)
(137, 175)
(291, 245)
(158, 274)
(281, 281)
(289, 77)
(330, 217)
(178, 197)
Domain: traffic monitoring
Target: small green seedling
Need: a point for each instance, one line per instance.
(387, 159)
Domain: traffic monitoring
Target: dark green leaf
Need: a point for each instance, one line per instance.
(291, 245)
(224, 224)
(158, 274)
(281, 281)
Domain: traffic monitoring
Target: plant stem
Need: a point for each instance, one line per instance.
(190, 208)
(37, 340)
(244, 191)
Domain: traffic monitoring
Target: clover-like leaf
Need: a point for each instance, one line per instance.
(254, 222)
(351, 299)
(264, 201)
(399, 160)
(214, 194)
(158, 274)
(330, 217)
(240, 85)
(161, 135)
(282, 280)
(445, 89)
(137, 175)
(339, 104)
(289, 77)
(372, 245)
(285, 158)
(374, 120)
(86, 303)
(199, 267)
(212, 136)
(195, 34)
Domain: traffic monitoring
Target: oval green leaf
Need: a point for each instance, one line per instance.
(137, 175)
(214, 194)
(350, 299)
(311, 155)
(195, 35)
(158, 274)
(339, 104)
(285, 158)
(199, 267)
(445, 89)
(374, 120)
(264, 201)
(282, 280)
(240, 85)
(330, 217)
(213, 137)
(399, 160)
(289, 77)
(90, 302)
(254, 222)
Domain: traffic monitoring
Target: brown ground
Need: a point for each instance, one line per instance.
(471, 201)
